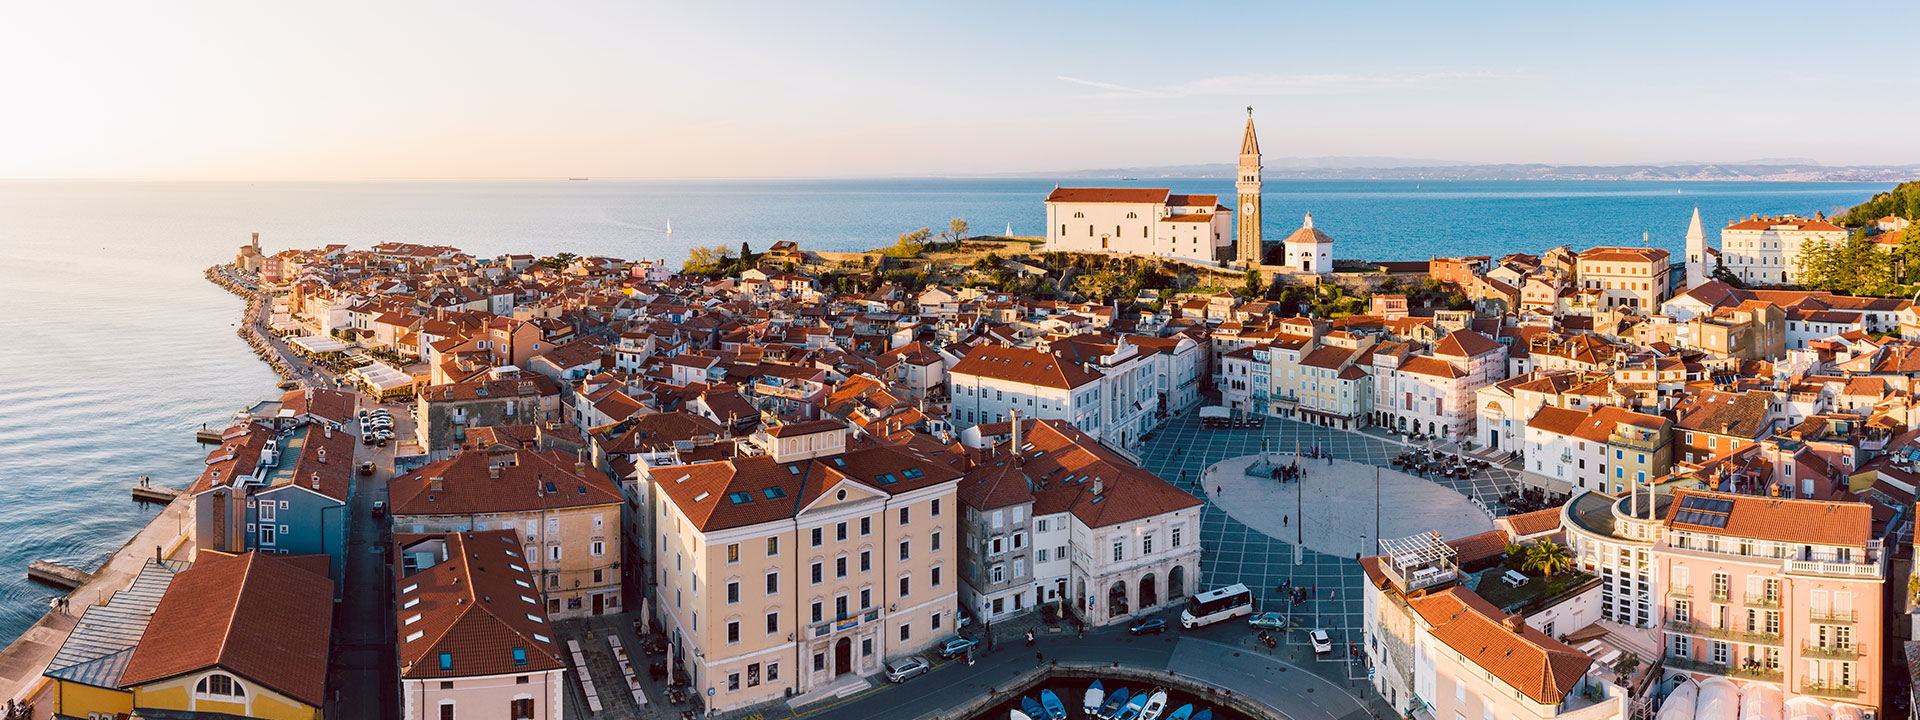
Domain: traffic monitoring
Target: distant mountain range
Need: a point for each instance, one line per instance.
(1390, 168)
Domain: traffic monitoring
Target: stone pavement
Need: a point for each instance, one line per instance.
(1340, 514)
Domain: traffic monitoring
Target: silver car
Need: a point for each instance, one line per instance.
(906, 667)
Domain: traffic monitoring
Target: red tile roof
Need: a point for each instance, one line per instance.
(1108, 195)
(1537, 665)
(1815, 522)
(1020, 365)
(265, 617)
(476, 605)
(528, 480)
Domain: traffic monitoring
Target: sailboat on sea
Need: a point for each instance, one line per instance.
(669, 226)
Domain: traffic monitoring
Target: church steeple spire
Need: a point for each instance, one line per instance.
(1248, 250)
(1250, 144)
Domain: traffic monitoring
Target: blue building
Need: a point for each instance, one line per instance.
(277, 490)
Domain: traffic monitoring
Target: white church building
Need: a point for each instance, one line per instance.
(1138, 221)
(1161, 223)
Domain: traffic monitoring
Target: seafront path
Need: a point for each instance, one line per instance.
(23, 661)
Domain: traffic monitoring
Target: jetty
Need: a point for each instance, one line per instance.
(146, 492)
(210, 437)
(57, 575)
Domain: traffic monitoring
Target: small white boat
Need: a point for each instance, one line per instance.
(1095, 694)
(1017, 715)
(1131, 710)
(1156, 704)
(669, 226)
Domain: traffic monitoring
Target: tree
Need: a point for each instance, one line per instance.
(1252, 287)
(746, 253)
(1098, 286)
(707, 260)
(956, 231)
(1548, 557)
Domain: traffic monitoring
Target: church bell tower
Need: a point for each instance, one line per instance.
(1248, 250)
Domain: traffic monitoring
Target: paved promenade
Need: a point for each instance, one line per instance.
(24, 660)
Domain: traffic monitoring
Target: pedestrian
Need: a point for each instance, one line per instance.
(1286, 520)
(1038, 660)
(1216, 489)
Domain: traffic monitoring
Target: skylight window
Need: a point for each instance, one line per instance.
(740, 498)
(774, 492)
(912, 473)
(417, 634)
(535, 618)
(885, 479)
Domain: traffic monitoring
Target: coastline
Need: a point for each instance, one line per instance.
(24, 661)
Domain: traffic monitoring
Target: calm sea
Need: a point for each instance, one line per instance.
(116, 349)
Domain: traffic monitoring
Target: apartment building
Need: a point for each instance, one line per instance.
(446, 412)
(1606, 449)
(474, 641)
(282, 491)
(992, 381)
(1053, 516)
(1439, 650)
(1766, 250)
(567, 513)
(1777, 591)
(1625, 277)
(785, 571)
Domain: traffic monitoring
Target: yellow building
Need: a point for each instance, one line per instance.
(566, 511)
(246, 635)
(83, 679)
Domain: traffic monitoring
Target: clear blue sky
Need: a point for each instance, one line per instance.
(234, 89)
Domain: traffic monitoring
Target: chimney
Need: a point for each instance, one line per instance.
(1513, 623)
(1098, 485)
(322, 455)
(1016, 432)
(580, 468)
(314, 480)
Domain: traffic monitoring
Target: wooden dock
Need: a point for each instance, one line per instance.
(210, 437)
(57, 575)
(154, 493)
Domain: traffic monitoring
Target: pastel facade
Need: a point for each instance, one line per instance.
(786, 571)
(1138, 221)
(474, 639)
(1766, 250)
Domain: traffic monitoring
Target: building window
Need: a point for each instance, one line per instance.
(1119, 550)
(840, 566)
(817, 567)
(840, 532)
(936, 541)
(1175, 541)
(773, 546)
(733, 631)
(733, 551)
(998, 574)
(1146, 545)
(816, 537)
(220, 686)
(866, 560)
(905, 586)
(904, 515)
(599, 548)
(816, 611)
(733, 592)
(446, 710)
(935, 509)
(520, 709)
(773, 583)
(866, 526)
(733, 682)
(906, 549)
(935, 580)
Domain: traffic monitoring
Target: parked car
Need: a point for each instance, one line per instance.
(366, 468)
(1147, 625)
(1268, 621)
(956, 647)
(1321, 643)
(379, 508)
(906, 667)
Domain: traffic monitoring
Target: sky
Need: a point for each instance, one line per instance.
(481, 89)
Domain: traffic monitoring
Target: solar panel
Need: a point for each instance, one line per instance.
(1718, 521)
(1722, 506)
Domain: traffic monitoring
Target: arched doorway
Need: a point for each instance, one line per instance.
(842, 657)
(1117, 599)
(1177, 582)
(1149, 596)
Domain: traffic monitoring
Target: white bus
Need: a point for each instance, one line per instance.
(1218, 604)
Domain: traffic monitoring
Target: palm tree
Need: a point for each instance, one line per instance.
(1548, 557)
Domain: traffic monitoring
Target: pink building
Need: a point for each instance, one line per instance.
(1776, 592)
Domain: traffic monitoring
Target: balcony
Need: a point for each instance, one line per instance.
(1718, 595)
(771, 390)
(1762, 601)
(1830, 652)
(1873, 570)
(1681, 591)
(1758, 673)
(1691, 628)
(1832, 617)
(847, 621)
(1833, 690)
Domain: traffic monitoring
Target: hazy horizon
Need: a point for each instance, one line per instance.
(228, 90)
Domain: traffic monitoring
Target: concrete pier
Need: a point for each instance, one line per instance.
(57, 575)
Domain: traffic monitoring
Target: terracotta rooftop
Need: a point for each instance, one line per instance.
(265, 617)
(476, 610)
(1537, 665)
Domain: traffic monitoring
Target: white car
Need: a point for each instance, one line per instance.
(903, 669)
(1321, 643)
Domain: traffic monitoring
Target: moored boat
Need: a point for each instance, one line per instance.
(1051, 704)
(1131, 710)
(1032, 708)
(1184, 712)
(1203, 714)
(1017, 715)
(1113, 704)
(1095, 694)
(1156, 704)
